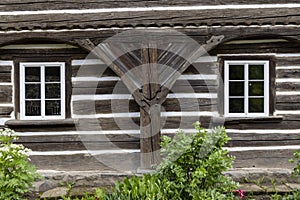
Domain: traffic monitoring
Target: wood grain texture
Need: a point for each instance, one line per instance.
(86, 107)
(18, 5)
(288, 73)
(153, 18)
(5, 94)
(288, 86)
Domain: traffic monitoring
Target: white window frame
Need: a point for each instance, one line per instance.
(246, 63)
(42, 65)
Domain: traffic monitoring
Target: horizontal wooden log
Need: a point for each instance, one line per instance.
(6, 110)
(287, 73)
(5, 94)
(287, 106)
(288, 61)
(156, 18)
(288, 86)
(92, 71)
(125, 106)
(84, 137)
(255, 143)
(287, 98)
(75, 146)
(11, 54)
(5, 77)
(86, 162)
(202, 68)
(254, 48)
(263, 159)
(16, 5)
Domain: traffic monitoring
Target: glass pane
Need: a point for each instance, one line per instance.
(32, 108)
(256, 105)
(256, 88)
(52, 91)
(32, 74)
(236, 105)
(236, 72)
(32, 91)
(256, 72)
(52, 74)
(53, 107)
(236, 88)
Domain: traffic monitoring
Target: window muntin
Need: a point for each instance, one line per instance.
(246, 86)
(42, 90)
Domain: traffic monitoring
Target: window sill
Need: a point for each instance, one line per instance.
(41, 123)
(254, 120)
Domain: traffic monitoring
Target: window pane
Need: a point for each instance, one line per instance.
(256, 88)
(236, 72)
(256, 105)
(32, 108)
(236, 105)
(33, 91)
(236, 88)
(256, 72)
(52, 91)
(52, 74)
(32, 74)
(53, 107)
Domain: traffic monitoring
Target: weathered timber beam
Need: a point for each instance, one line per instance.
(100, 19)
(30, 5)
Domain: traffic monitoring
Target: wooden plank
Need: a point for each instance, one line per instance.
(202, 68)
(254, 143)
(86, 162)
(287, 98)
(287, 73)
(5, 77)
(75, 146)
(254, 48)
(16, 5)
(288, 86)
(288, 61)
(265, 125)
(5, 94)
(109, 87)
(86, 107)
(263, 159)
(287, 106)
(85, 137)
(92, 71)
(171, 17)
(6, 110)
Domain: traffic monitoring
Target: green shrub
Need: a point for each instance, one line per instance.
(191, 169)
(16, 173)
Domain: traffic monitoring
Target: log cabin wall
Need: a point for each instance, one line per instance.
(63, 145)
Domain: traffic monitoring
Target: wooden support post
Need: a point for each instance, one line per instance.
(150, 111)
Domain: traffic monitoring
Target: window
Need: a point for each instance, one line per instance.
(42, 90)
(246, 85)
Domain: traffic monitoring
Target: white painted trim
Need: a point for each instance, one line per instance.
(284, 80)
(198, 77)
(115, 78)
(287, 67)
(3, 120)
(287, 112)
(287, 93)
(283, 55)
(262, 148)
(246, 63)
(98, 79)
(129, 96)
(193, 95)
(206, 59)
(6, 63)
(137, 114)
(87, 152)
(87, 62)
(6, 84)
(150, 9)
(42, 66)
(265, 131)
(6, 105)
